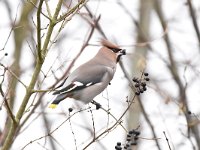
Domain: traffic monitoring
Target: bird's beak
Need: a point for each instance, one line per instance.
(120, 53)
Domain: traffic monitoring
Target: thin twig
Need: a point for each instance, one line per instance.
(73, 10)
(167, 140)
(70, 123)
(37, 8)
(13, 74)
(48, 9)
(109, 113)
(8, 107)
(93, 125)
(194, 19)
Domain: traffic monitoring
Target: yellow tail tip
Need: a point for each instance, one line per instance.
(52, 106)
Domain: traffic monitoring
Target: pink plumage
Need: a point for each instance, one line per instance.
(108, 44)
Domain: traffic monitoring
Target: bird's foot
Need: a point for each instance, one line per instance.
(97, 104)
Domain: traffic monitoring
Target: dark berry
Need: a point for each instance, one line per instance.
(136, 138)
(135, 79)
(134, 143)
(70, 109)
(118, 147)
(118, 143)
(128, 135)
(137, 133)
(127, 145)
(130, 132)
(189, 112)
(137, 93)
(144, 88)
(137, 85)
(143, 84)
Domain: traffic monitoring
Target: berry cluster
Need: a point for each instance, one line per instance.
(131, 140)
(140, 83)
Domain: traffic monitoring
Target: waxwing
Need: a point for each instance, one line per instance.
(92, 77)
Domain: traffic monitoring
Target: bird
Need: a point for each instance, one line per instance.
(92, 77)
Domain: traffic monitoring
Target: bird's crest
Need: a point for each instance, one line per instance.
(108, 44)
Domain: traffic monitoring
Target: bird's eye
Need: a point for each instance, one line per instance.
(115, 50)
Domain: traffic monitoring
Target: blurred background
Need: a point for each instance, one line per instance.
(161, 37)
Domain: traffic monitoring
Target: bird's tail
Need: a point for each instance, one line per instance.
(53, 106)
(57, 100)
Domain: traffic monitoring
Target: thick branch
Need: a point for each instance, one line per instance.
(39, 30)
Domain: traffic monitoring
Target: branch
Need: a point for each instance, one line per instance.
(39, 30)
(167, 140)
(73, 10)
(41, 11)
(48, 9)
(13, 74)
(194, 19)
(7, 106)
(50, 29)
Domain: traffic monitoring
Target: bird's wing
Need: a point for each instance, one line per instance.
(85, 78)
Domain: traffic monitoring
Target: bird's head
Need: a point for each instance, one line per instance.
(114, 48)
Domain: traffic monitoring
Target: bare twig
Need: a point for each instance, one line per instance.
(7, 106)
(70, 123)
(13, 74)
(194, 19)
(73, 10)
(41, 11)
(93, 125)
(48, 9)
(167, 140)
